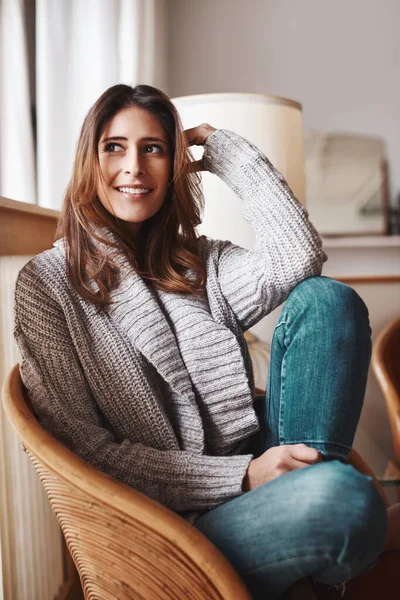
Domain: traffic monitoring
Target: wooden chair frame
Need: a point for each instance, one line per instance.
(386, 367)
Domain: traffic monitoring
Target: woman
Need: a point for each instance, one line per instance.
(131, 335)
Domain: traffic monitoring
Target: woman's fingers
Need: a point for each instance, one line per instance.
(193, 136)
(302, 456)
(277, 461)
(198, 135)
(303, 453)
(294, 464)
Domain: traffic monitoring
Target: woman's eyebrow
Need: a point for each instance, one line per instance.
(114, 137)
(154, 139)
(145, 139)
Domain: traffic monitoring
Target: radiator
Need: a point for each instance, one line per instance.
(31, 547)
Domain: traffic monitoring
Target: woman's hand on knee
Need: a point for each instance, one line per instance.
(277, 461)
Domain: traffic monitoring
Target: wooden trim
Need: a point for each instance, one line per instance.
(361, 242)
(25, 229)
(358, 234)
(350, 279)
(6, 204)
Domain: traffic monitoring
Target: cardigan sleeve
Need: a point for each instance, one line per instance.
(64, 404)
(287, 247)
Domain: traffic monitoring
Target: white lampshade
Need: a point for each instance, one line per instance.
(274, 124)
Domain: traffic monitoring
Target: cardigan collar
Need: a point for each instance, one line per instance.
(138, 315)
(135, 309)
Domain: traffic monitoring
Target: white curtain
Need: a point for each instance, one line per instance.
(82, 48)
(17, 162)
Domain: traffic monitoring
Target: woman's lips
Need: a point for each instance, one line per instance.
(134, 195)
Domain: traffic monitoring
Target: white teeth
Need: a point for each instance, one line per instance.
(128, 190)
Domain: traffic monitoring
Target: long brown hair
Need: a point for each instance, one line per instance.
(168, 244)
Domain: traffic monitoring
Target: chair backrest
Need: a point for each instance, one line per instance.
(386, 366)
(124, 544)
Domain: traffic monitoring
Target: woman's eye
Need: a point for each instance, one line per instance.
(112, 147)
(154, 146)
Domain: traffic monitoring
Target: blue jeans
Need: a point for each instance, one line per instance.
(327, 520)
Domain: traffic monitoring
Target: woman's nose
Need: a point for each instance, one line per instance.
(134, 163)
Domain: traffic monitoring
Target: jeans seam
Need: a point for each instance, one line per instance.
(282, 403)
(335, 444)
(281, 432)
(289, 559)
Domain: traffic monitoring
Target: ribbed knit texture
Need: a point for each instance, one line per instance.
(158, 390)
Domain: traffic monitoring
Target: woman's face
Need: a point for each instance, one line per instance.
(134, 157)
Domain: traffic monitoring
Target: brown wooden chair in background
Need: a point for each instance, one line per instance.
(127, 546)
(386, 366)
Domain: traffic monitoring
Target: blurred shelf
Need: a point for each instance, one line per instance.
(368, 241)
(363, 259)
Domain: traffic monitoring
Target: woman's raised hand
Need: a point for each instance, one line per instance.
(197, 136)
(277, 461)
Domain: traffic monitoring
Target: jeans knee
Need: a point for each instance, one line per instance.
(356, 512)
(329, 292)
(368, 524)
(332, 303)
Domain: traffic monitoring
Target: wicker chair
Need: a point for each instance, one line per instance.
(386, 367)
(125, 545)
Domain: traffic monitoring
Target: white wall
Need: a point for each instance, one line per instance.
(340, 59)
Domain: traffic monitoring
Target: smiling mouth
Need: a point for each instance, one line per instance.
(134, 191)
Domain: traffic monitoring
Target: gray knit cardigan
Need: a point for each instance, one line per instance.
(158, 390)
